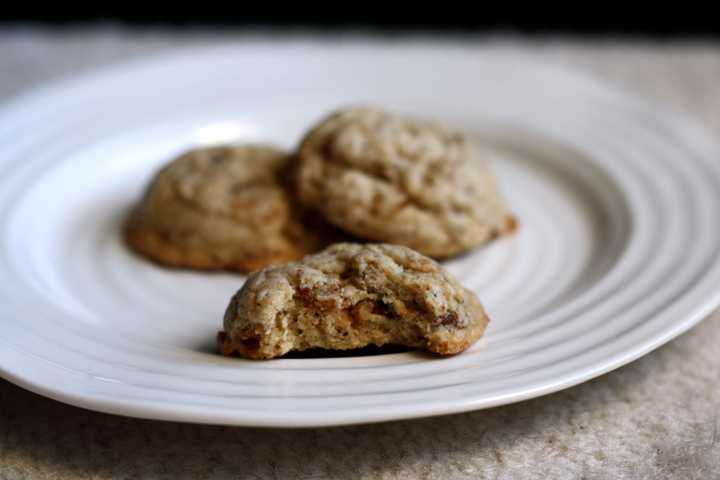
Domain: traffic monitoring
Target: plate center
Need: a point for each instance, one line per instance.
(572, 228)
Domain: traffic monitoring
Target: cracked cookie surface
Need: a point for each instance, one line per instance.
(397, 181)
(350, 296)
(225, 208)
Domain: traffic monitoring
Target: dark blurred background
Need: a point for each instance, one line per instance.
(633, 17)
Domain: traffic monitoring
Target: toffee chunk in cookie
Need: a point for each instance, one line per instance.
(226, 208)
(350, 296)
(397, 181)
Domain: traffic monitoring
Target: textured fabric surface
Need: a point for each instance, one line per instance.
(654, 418)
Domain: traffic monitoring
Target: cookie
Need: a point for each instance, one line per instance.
(393, 180)
(350, 296)
(226, 208)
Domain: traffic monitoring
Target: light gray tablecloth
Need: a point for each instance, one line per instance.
(654, 418)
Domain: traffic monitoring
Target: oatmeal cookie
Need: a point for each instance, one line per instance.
(394, 180)
(225, 208)
(351, 296)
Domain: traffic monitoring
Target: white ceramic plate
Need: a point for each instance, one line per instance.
(617, 251)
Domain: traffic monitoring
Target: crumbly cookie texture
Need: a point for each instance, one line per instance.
(226, 208)
(350, 296)
(394, 180)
